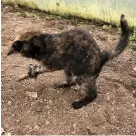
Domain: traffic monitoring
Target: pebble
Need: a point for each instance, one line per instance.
(133, 105)
(2, 131)
(7, 134)
(134, 68)
(74, 126)
(50, 102)
(36, 127)
(9, 102)
(47, 122)
(108, 98)
(32, 94)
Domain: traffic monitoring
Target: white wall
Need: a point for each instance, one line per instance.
(106, 10)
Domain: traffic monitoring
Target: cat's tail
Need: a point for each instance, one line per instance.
(123, 42)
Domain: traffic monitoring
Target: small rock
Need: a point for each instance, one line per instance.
(108, 98)
(2, 131)
(44, 116)
(7, 134)
(134, 68)
(39, 109)
(13, 115)
(44, 100)
(50, 102)
(73, 133)
(17, 121)
(90, 32)
(47, 107)
(28, 127)
(9, 102)
(90, 132)
(74, 126)
(47, 122)
(133, 105)
(32, 94)
(36, 127)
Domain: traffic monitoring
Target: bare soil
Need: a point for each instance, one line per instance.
(113, 112)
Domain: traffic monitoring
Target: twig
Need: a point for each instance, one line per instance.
(23, 78)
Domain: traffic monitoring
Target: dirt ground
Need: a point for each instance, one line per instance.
(50, 111)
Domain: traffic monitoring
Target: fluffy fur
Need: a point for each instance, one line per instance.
(27, 35)
(77, 53)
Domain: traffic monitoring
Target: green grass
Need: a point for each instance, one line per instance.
(132, 43)
(104, 10)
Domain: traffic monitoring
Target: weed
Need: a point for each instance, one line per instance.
(132, 43)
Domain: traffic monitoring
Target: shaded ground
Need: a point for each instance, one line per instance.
(113, 112)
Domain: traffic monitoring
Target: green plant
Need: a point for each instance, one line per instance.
(132, 43)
